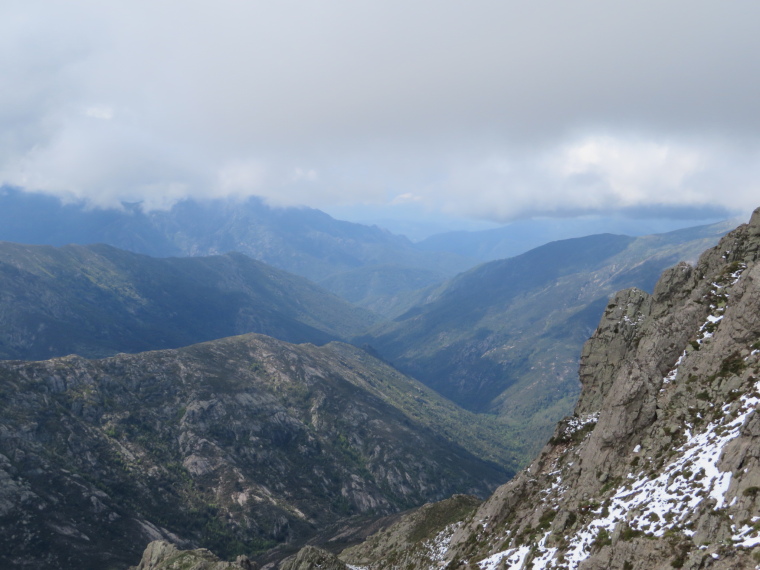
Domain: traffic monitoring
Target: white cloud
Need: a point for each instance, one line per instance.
(406, 198)
(241, 178)
(300, 174)
(605, 174)
(103, 112)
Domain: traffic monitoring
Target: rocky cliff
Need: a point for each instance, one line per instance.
(659, 466)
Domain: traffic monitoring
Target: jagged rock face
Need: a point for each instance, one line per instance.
(659, 467)
(234, 445)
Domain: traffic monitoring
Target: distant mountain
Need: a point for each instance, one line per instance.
(97, 300)
(523, 235)
(385, 290)
(304, 241)
(504, 337)
(238, 445)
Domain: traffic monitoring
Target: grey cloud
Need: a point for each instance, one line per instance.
(116, 100)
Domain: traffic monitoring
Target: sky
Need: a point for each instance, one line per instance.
(483, 111)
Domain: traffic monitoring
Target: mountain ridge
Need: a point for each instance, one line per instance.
(303, 241)
(98, 300)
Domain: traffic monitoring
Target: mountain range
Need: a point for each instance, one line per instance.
(253, 445)
(502, 338)
(97, 300)
(657, 467)
(348, 257)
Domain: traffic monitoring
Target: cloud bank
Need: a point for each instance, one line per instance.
(481, 109)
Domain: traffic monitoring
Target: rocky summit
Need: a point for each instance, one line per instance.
(659, 466)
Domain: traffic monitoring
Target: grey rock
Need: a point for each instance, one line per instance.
(313, 558)
(161, 555)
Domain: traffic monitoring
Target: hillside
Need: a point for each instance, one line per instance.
(238, 445)
(505, 336)
(658, 467)
(97, 300)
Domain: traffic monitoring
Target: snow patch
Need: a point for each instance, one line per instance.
(514, 557)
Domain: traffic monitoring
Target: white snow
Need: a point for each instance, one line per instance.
(439, 545)
(515, 557)
(670, 376)
(655, 505)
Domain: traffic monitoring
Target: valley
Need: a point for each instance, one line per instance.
(135, 412)
(656, 468)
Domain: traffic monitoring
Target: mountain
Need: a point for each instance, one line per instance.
(657, 468)
(523, 235)
(97, 300)
(505, 336)
(303, 241)
(237, 445)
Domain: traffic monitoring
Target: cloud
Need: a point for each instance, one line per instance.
(103, 112)
(406, 198)
(604, 174)
(488, 109)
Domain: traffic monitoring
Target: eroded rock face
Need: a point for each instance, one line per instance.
(659, 465)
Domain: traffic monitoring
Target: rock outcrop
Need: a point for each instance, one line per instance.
(659, 466)
(311, 557)
(162, 555)
(409, 539)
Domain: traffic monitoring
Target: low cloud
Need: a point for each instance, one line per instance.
(602, 175)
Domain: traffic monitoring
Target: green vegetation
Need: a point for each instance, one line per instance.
(435, 517)
(732, 365)
(97, 301)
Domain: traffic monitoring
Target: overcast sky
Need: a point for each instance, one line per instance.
(488, 110)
